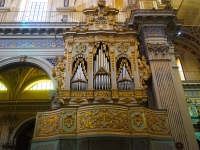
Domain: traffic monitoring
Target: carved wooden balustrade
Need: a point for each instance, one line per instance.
(102, 119)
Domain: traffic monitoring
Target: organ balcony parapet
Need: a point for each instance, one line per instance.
(111, 119)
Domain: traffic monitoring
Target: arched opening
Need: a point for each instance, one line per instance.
(22, 74)
(24, 135)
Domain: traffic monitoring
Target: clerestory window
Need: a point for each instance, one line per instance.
(34, 10)
(40, 85)
(2, 87)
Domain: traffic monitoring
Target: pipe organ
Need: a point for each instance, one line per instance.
(124, 80)
(101, 69)
(102, 63)
(79, 80)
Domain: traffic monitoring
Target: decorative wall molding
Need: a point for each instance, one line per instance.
(31, 43)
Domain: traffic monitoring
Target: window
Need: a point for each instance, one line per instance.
(180, 69)
(2, 87)
(35, 10)
(40, 85)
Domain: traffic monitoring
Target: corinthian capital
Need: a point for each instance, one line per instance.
(158, 48)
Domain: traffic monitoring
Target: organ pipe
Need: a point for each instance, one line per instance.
(124, 80)
(79, 81)
(101, 61)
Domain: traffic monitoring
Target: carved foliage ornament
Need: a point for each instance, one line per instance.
(127, 100)
(157, 123)
(101, 119)
(69, 121)
(58, 72)
(101, 24)
(78, 101)
(144, 70)
(138, 120)
(48, 124)
(80, 48)
(122, 48)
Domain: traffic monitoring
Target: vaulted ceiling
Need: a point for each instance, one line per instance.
(189, 38)
(18, 76)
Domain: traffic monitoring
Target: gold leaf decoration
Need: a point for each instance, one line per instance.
(127, 100)
(69, 121)
(78, 101)
(103, 100)
(101, 119)
(138, 120)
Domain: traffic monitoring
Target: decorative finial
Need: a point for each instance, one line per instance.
(101, 3)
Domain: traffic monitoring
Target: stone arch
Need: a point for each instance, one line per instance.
(20, 125)
(42, 63)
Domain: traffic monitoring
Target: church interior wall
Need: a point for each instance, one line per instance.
(189, 63)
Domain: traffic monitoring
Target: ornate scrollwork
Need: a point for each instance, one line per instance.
(103, 94)
(122, 48)
(140, 96)
(101, 24)
(126, 94)
(100, 119)
(157, 123)
(78, 94)
(49, 124)
(80, 48)
(137, 119)
(78, 101)
(90, 100)
(127, 100)
(58, 72)
(145, 71)
(103, 100)
(69, 121)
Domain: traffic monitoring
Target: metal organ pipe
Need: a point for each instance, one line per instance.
(101, 81)
(124, 80)
(79, 81)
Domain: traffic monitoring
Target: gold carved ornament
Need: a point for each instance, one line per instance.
(127, 100)
(58, 72)
(126, 94)
(78, 94)
(140, 96)
(103, 100)
(122, 48)
(137, 120)
(100, 119)
(69, 121)
(78, 101)
(80, 48)
(104, 94)
(144, 71)
(101, 24)
(49, 124)
(157, 123)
